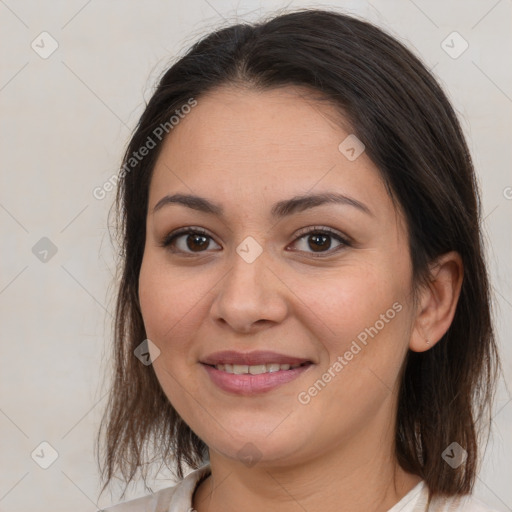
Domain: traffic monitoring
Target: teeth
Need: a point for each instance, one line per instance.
(240, 368)
(257, 369)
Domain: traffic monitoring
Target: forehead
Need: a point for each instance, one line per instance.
(245, 121)
(254, 143)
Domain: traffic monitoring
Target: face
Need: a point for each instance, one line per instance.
(257, 284)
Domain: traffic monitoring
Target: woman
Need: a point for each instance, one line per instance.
(303, 316)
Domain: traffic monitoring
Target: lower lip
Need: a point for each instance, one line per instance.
(247, 384)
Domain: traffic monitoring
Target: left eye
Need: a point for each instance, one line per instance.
(191, 241)
(319, 241)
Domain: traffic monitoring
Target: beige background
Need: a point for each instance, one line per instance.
(65, 121)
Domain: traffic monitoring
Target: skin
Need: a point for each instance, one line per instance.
(246, 150)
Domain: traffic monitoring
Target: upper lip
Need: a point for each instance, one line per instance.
(251, 358)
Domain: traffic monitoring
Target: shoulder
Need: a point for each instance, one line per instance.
(416, 500)
(166, 500)
(156, 502)
(467, 504)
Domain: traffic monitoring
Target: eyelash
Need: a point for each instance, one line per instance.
(315, 230)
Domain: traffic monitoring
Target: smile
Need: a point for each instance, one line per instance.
(257, 369)
(247, 380)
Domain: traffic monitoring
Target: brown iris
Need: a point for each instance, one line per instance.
(199, 242)
(320, 241)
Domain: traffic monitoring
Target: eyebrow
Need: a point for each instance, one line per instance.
(279, 210)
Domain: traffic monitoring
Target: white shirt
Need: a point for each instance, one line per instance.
(179, 499)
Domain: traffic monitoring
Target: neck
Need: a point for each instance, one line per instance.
(355, 477)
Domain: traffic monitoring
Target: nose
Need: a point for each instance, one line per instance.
(250, 296)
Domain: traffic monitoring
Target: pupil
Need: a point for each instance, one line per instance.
(319, 238)
(195, 238)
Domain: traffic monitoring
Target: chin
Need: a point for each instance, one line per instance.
(254, 446)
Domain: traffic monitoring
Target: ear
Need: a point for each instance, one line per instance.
(437, 302)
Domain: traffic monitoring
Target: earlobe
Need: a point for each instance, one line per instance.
(437, 302)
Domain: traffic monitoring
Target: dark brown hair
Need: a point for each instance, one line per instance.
(396, 108)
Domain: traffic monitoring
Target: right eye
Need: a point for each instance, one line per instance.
(187, 241)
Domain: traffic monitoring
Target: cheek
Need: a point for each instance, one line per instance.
(362, 323)
(153, 295)
(157, 292)
(363, 332)
(170, 301)
(347, 302)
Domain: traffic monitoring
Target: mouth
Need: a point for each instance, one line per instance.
(253, 372)
(257, 369)
(255, 358)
